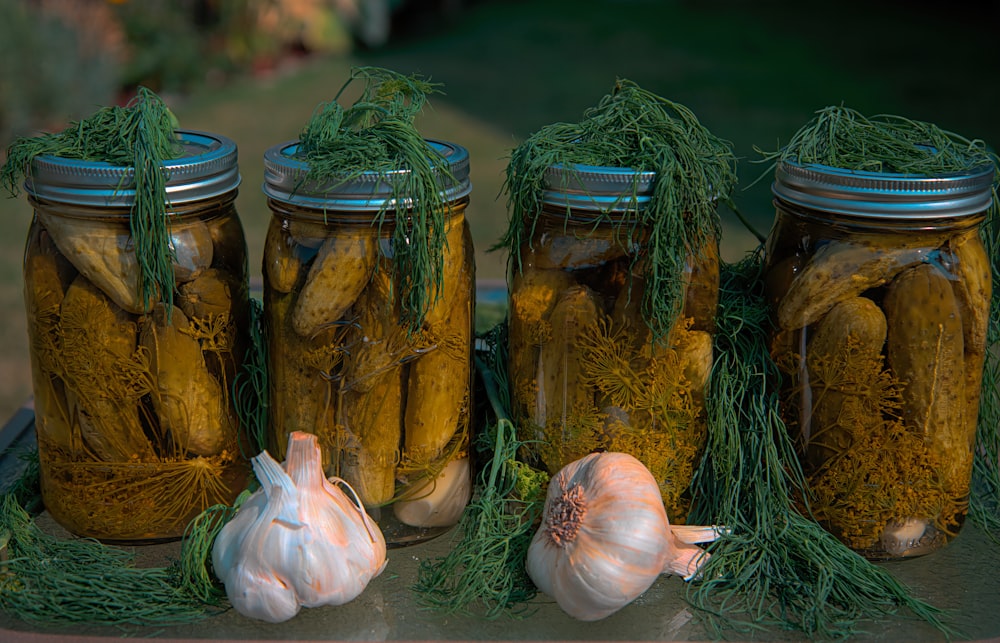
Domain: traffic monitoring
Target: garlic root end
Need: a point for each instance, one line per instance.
(686, 561)
(693, 534)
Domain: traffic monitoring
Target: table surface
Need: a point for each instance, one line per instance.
(963, 578)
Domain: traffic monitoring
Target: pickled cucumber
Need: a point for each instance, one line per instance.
(101, 251)
(925, 351)
(210, 294)
(534, 293)
(701, 297)
(99, 341)
(974, 290)
(190, 403)
(302, 372)
(844, 355)
(839, 271)
(439, 378)
(282, 265)
(338, 274)
(560, 370)
(371, 408)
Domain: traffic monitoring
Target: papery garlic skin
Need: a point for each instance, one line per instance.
(336, 530)
(604, 537)
(297, 541)
(251, 586)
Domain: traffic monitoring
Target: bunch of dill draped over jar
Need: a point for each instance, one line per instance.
(634, 128)
(377, 134)
(841, 137)
(139, 136)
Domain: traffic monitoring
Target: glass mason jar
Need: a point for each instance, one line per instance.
(880, 288)
(136, 429)
(585, 371)
(390, 404)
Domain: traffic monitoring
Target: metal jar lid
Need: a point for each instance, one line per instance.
(206, 168)
(284, 181)
(883, 194)
(593, 187)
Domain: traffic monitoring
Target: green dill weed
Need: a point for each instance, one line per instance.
(139, 136)
(368, 303)
(48, 579)
(134, 351)
(881, 289)
(614, 283)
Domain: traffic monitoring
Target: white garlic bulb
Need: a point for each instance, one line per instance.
(605, 537)
(297, 541)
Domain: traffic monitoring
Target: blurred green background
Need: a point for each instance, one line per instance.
(254, 70)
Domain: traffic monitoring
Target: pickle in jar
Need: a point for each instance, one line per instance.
(925, 350)
(340, 271)
(437, 407)
(371, 394)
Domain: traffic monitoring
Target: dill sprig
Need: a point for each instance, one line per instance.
(485, 565)
(984, 502)
(250, 386)
(777, 566)
(139, 136)
(634, 128)
(377, 134)
(196, 575)
(50, 579)
(843, 138)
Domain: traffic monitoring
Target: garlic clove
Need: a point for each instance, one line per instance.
(341, 549)
(252, 586)
(263, 597)
(441, 501)
(192, 249)
(902, 537)
(297, 541)
(229, 541)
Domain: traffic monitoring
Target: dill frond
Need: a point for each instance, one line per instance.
(633, 128)
(377, 134)
(838, 136)
(984, 506)
(48, 579)
(140, 136)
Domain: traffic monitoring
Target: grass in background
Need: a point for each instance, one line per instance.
(752, 72)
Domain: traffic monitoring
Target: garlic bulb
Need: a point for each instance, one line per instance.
(297, 541)
(605, 537)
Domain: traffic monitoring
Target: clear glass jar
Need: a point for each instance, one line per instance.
(390, 405)
(881, 290)
(585, 371)
(137, 433)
